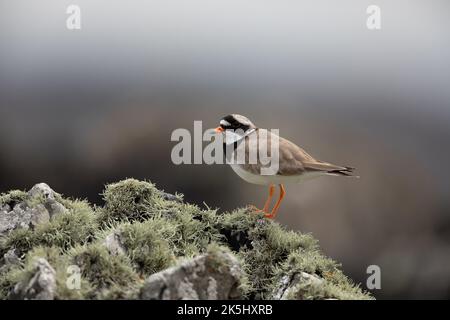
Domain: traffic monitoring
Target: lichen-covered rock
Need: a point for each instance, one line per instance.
(11, 258)
(147, 244)
(49, 199)
(296, 284)
(41, 285)
(21, 216)
(211, 276)
(113, 243)
(27, 210)
(171, 197)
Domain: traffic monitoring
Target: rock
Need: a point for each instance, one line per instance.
(209, 276)
(40, 286)
(290, 285)
(21, 216)
(39, 207)
(181, 250)
(170, 197)
(11, 258)
(114, 244)
(43, 191)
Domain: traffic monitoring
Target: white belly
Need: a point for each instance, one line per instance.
(273, 179)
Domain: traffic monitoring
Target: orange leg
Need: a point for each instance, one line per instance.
(269, 198)
(277, 205)
(267, 203)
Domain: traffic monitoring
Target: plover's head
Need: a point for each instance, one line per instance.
(235, 122)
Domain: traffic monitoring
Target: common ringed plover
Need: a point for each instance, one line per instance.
(295, 165)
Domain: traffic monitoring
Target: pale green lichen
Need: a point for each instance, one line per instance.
(129, 199)
(335, 284)
(12, 197)
(76, 226)
(59, 261)
(110, 276)
(147, 244)
(157, 233)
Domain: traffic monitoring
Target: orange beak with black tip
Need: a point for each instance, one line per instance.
(219, 129)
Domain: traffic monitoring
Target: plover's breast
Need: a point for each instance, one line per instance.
(272, 179)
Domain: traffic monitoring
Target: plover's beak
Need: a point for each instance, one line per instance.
(219, 129)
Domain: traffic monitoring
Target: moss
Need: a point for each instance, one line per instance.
(34, 200)
(283, 242)
(65, 230)
(310, 261)
(237, 226)
(21, 239)
(327, 290)
(60, 263)
(266, 248)
(13, 197)
(148, 244)
(111, 276)
(8, 280)
(195, 229)
(129, 199)
(335, 284)
(218, 259)
(155, 234)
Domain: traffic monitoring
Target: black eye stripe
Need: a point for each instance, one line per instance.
(231, 120)
(234, 124)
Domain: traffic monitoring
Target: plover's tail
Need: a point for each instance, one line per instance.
(331, 169)
(347, 172)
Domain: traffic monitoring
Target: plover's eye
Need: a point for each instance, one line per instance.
(224, 124)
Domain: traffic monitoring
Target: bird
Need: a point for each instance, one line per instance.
(295, 165)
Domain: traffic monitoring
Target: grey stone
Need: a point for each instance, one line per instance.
(208, 276)
(40, 206)
(11, 258)
(40, 286)
(114, 244)
(170, 197)
(43, 191)
(22, 216)
(289, 284)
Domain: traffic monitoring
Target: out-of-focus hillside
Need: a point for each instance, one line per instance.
(391, 217)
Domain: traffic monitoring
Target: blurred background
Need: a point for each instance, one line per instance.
(81, 108)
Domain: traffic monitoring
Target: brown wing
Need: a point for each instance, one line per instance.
(295, 161)
(292, 158)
